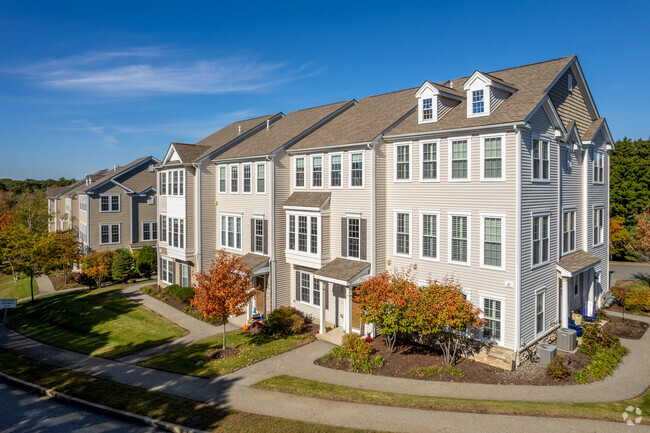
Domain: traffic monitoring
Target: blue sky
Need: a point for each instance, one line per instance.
(86, 85)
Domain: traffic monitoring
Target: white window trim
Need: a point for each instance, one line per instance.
(312, 280)
(234, 215)
(170, 233)
(532, 222)
(294, 171)
(410, 214)
(230, 166)
(329, 170)
(254, 234)
(110, 203)
(257, 164)
(469, 158)
(486, 101)
(142, 223)
(363, 169)
(421, 230)
(595, 159)
(408, 144)
(322, 170)
(502, 216)
(348, 217)
(224, 166)
(495, 297)
(110, 233)
(189, 274)
(421, 145)
(541, 291)
(170, 183)
(319, 247)
(250, 168)
(434, 108)
(532, 159)
(503, 159)
(169, 262)
(467, 214)
(602, 228)
(575, 229)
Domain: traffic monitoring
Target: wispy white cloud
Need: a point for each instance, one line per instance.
(103, 136)
(144, 71)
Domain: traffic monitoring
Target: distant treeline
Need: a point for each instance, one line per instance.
(629, 184)
(32, 185)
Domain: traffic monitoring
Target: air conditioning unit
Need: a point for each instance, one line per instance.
(546, 353)
(567, 339)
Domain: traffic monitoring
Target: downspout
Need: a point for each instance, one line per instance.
(271, 235)
(197, 216)
(56, 214)
(518, 246)
(373, 211)
(585, 201)
(131, 212)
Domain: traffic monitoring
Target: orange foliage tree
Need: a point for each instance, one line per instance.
(618, 236)
(639, 242)
(224, 289)
(98, 266)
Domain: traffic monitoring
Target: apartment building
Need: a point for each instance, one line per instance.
(59, 206)
(111, 209)
(499, 179)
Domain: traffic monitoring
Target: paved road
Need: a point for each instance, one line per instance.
(24, 412)
(628, 271)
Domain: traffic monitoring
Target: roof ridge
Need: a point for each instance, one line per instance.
(390, 93)
(532, 64)
(321, 106)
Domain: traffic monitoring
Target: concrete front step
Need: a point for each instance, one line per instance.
(335, 336)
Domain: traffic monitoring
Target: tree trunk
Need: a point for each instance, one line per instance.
(390, 342)
(31, 285)
(224, 335)
(65, 275)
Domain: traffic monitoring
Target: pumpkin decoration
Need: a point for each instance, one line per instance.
(245, 328)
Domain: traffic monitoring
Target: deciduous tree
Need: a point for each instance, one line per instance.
(639, 243)
(224, 289)
(98, 266)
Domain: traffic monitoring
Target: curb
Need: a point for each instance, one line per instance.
(98, 408)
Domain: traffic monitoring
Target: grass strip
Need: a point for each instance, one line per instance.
(10, 289)
(605, 411)
(153, 404)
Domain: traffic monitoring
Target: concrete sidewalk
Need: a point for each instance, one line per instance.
(197, 329)
(45, 286)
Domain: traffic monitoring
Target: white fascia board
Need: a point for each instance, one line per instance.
(291, 151)
(551, 113)
(124, 187)
(446, 132)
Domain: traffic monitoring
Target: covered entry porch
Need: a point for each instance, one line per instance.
(260, 267)
(337, 279)
(577, 283)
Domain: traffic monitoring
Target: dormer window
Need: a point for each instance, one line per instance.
(427, 109)
(478, 106)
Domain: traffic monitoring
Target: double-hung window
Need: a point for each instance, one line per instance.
(427, 109)
(336, 171)
(429, 160)
(223, 179)
(429, 225)
(313, 235)
(83, 203)
(109, 203)
(599, 167)
(459, 239)
(569, 232)
(493, 241)
(478, 103)
(317, 171)
(163, 183)
(109, 233)
(176, 232)
(246, 175)
(234, 179)
(258, 235)
(541, 160)
(403, 233)
(540, 240)
(261, 178)
(149, 230)
(176, 182)
(493, 315)
(292, 232)
(354, 237)
(459, 169)
(167, 271)
(403, 162)
(309, 289)
(163, 225)
(356, 170)
(300, 172)
(598, 226)
(302, 233)
(231, 231)
(539, 313)
(185, 276)
(492, 157)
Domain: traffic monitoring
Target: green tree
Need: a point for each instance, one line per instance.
(629, 178)
(146, 262)
(639, 242)
(122, 268)
(98, 266)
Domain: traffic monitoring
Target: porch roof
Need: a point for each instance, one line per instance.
(576, 263)
(307, 199)
(343, 271)
(257, 262)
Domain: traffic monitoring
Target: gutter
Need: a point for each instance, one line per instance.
(373, 211)
(518, 213)
(197, 216)
(271, 235)
(325, 148)
(444, 132)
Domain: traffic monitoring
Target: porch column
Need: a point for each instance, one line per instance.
(592, 286)
(565, 302)
(348, 309)
(323, 294)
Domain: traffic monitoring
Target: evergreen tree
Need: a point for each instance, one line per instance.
(146, 261)
(122, 265)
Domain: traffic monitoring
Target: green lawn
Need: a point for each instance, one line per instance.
(192, 359)
(100, 322)
(19, 290)
(150, 403)
(610, 411)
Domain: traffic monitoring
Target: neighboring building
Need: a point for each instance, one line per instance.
(499, 179)
(114, 208)
(59, 206)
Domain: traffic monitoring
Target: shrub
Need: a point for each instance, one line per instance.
(424, 371)
(582, 377)
(594, 338)
(147, 290)
(638, 300)
(122, 265)
(355, 345)
(454, 371)
(285, 321)
(605, 361)
(146, 261)
(557, 369)
(339, 352)
(181, 293)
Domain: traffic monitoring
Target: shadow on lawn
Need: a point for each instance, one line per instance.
(77, 321)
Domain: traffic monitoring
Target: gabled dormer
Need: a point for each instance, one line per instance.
(485, 93)
(435, 100)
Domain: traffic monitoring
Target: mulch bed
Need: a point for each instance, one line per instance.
(628, 328)
(408, 357)
(228, 352)
(58, 281)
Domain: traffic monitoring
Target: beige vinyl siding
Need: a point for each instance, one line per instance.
(597, 196)
(190, 210)
(570, 105)
(381, 179)
(209, 230)
(497, 96)
(475, 197)
(445, 105)
(123, 217)
(282, 183)
(538, 198)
